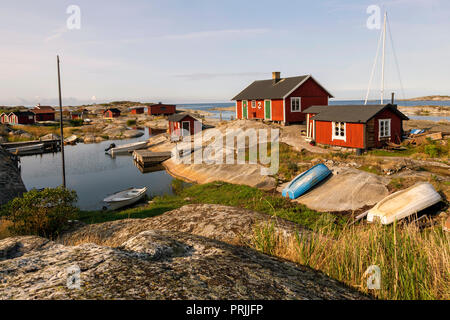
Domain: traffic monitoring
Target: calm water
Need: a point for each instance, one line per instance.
(226, 115)
(92, 173)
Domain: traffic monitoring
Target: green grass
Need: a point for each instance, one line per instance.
(226, 194)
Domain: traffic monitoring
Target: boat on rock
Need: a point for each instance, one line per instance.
(305, 181)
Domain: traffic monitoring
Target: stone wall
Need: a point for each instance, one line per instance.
(11, 184)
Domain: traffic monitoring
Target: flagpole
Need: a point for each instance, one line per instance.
(61, 126)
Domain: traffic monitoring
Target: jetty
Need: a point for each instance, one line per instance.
(32, 147)
(147, 158)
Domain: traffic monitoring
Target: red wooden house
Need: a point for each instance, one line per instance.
(183, 123)
(355, 126)
(280, 99)
(137, 110)
(4, 118)
(161, 109)
(44, 113)
(21, 117)
(78, 114)
(111, 113)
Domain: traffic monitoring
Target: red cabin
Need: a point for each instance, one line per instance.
(21, 117)
(137, 110)
(161, 109)
(111, 113)
(44, 113)
(4, 118)
(280, 99)
(355, 126)
(183, 123)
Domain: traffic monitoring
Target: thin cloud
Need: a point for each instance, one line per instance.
(214, 33)
(206, 76)
(57, 34)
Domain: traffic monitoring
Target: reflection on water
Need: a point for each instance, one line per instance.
(92, 173)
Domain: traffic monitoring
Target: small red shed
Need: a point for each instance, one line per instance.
(111, 113)
(21, 117)
(355, 126)
(280, 99)
(137, 110)
(44, 113)
(183, 123)
(4, 118)
(161, 109)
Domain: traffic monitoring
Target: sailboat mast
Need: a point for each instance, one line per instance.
(383, 58)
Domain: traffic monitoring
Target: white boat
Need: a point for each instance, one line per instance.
(404, 203)
(33, 147)
(71, 140)
(126, 148)
(124, 198)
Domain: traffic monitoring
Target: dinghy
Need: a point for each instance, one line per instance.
(305, 181)
(124, 198)
(404, 203)
(71, 140)
(126, 148)
(27, 149)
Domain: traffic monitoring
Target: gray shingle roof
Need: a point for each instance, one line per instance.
(179, 116)
(351, 113)
(267, 89)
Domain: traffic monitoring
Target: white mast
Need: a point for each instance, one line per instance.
(383, 58)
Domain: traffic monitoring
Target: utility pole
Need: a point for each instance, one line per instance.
(61, 126)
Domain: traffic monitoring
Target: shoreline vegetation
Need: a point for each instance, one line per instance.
(429, 98)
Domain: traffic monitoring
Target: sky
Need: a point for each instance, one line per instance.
(187, 51)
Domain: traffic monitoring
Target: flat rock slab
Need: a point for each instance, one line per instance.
(347, 189)
(156, 265)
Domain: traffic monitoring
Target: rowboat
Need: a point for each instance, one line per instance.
(124, 198)
(71, 140)
(306, 180)
(126, 148)
(26, 149)
(404, 203)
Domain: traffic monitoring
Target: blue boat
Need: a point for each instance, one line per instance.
(306, 180)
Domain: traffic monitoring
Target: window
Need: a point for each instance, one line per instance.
(296, 104)
(253, 104)
(384, 128)
(338, 131)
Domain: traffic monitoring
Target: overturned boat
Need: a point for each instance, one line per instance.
(71, 140)
(404, 203)
(126, 148)
(306, 180)
(124, 198)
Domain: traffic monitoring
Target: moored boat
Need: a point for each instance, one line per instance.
(26, 149)
(124, 198)
(404, 203)
(306, 180)
(126, 148)
(71, 140)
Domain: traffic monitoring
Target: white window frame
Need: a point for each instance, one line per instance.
(253, 104)
(182, 129)
(299, 104)
(333, 130)
(385, 121)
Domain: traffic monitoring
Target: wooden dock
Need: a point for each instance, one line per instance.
(49, 146)
(147, 158)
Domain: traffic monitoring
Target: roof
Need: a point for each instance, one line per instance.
(180, 116)
(112, 110)
(351, 113)
(267, 89)
(136, 107)
(43, 109)
(162, 104)
(22, 113)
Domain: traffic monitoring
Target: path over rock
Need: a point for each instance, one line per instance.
(156, 265)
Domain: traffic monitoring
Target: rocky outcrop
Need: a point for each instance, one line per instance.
(11, 184)
(184, 254)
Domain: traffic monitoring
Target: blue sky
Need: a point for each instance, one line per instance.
(205, 51)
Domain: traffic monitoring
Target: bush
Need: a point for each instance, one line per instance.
(42, 213)
(432, 150)
(131, 122)
(76, 122)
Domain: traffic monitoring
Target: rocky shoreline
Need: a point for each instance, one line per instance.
(11, 184)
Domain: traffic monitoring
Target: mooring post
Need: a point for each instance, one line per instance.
(61, 126)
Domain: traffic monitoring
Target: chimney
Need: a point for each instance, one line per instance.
(392, 100)
(275, 76)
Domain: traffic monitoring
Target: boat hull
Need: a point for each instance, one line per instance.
(305, 181)
(404, 203)
(127, 148)
(113, 204)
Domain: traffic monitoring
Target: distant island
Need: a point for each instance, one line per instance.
(429, 98)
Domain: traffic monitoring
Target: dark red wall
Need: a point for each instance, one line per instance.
(137, 111)
(354, 134)
(177, 125)
(157, 109)
(396, 127)
(45, 116)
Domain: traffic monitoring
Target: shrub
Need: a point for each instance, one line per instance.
(76, 122)
(131, 122)
(40, 212)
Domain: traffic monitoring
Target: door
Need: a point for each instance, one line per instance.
(267, 109)
(244, 109)
(186, 125)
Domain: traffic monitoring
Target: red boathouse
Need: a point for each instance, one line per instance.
(280, 99)
(161, 109)
(44, 113)
(21, 117)
(183, 123)
(111, 113)
(355, 126)
(137, 110)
